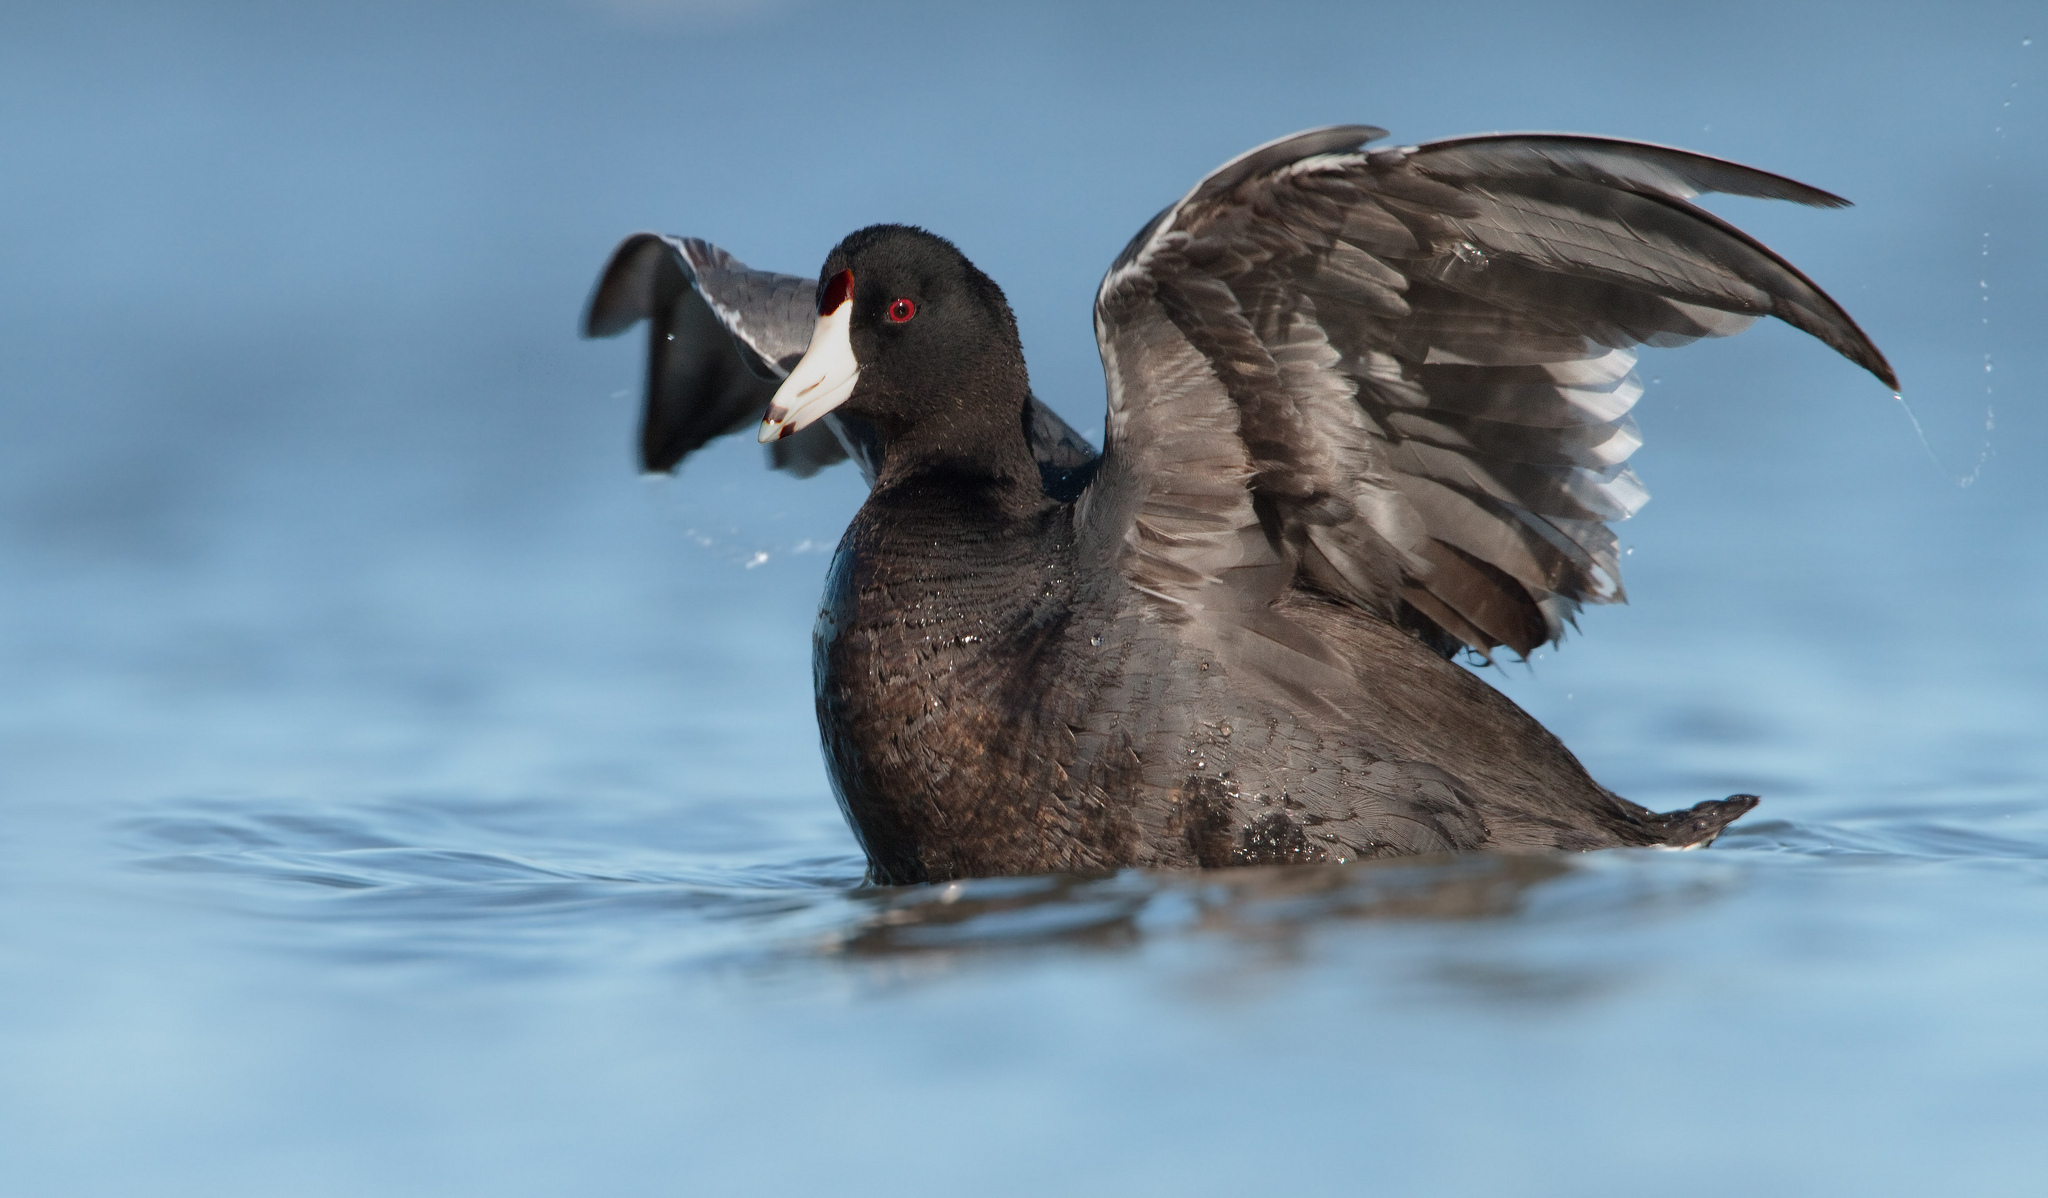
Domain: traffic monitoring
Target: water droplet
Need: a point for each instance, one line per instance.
(2026, 41)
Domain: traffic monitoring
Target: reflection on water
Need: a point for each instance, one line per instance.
(1247, 927)
(1270, 905)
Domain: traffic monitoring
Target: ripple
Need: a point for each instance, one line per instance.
(2000, 829)
(560, 884)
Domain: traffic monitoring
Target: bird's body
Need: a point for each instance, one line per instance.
(991, 704)
(1363, 409)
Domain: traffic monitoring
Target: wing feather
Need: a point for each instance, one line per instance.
(1404, 377)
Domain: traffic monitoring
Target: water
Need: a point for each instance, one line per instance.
(399, 796)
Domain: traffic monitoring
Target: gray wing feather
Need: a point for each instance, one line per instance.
(1611, 162)
(771, 314)
(1404, 377)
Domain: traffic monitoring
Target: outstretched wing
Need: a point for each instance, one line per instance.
(1403, 377)
(722, 336)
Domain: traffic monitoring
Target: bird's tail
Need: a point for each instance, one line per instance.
(1697, 826)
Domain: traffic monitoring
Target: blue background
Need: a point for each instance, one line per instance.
(398, 794)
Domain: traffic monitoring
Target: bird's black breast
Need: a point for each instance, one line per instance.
(952, 661)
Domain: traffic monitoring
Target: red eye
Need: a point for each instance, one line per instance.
(901, 311)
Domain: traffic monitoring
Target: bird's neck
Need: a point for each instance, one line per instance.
(969, 456)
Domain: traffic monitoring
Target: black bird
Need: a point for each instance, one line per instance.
(1366, 409)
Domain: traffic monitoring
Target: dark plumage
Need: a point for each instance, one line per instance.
(1364, 408)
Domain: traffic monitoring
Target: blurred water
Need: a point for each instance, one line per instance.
(397, 792)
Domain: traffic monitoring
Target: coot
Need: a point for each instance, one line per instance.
(1367, 409)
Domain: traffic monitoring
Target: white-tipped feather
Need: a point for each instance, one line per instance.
(1600, 372)
(1606, 405)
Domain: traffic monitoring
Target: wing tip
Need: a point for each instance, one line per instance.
(1704, 172)
(624, 294)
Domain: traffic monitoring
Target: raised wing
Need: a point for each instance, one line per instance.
(722, 336)
(1403, 377)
